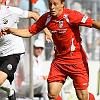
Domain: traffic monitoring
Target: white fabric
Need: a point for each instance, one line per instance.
(40, 85)
(37, 67)
(9, 17)
(39, 43)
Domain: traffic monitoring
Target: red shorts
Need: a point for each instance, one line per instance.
(79, 73)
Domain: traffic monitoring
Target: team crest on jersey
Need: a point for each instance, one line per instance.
(60, 24)
(5, 21)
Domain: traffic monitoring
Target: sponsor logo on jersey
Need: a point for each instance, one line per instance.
(5, 21)
(59, 31)
(9, 67)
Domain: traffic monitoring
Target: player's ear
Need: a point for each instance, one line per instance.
(62, 4)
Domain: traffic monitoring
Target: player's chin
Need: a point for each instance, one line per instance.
(53, 14)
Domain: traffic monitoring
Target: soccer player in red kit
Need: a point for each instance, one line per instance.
(70, 58)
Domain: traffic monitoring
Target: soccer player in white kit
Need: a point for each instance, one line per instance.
(11, 46)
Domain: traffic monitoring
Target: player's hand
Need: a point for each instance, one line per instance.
(45, 77)
(48, 38)
(5, 30)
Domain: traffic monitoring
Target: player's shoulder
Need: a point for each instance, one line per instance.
(10, 7)
(46, 15)
(4, 6)
(70, 11)
(7, 7)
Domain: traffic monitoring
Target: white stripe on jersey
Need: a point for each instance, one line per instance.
(84, 19)
(66, 17)
(48, 19)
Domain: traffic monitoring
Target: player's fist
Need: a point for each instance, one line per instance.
(5, 30)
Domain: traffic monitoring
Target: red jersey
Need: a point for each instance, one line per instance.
(65, 33)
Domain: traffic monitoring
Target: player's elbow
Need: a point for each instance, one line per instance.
(52, 96)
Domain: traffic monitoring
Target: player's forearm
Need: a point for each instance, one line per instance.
(48, 35)
(46, 31)
(96, 25)
(20, 32)
(33, 15)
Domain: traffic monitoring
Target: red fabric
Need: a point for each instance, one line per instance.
(79, 73)
(65, 33)
(91, 96)
(4, 2)
(34, 1)
(58, 98)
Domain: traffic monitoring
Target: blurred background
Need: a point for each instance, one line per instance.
(91, 43)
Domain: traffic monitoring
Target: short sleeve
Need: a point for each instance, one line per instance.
(79, 19)
(19, 12)
(38, 26)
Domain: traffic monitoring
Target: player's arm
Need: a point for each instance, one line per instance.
(25, 33)
(36, 16)
(96, 25)
(33, 15)
(18, 32)
(48, 35)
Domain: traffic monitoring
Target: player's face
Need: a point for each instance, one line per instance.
(56, 7)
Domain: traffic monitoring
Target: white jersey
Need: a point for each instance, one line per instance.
(9, 17)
